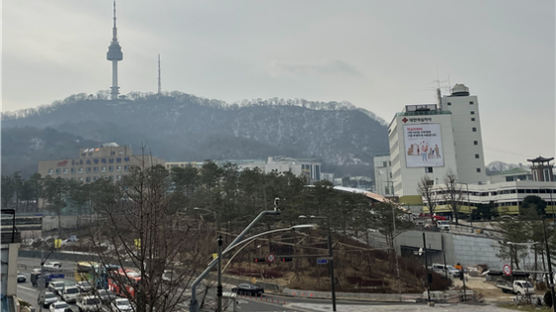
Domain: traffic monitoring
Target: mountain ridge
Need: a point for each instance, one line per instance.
(178, 126)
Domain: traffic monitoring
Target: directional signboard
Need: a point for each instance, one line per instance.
(323, 260)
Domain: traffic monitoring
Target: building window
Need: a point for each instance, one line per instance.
(88, 161)
(81, 179)
(88, 169)
(471, 103)
(80, 170)
(478, 169)
(477, 156)
(81, 161)
(125, 168)
(103, 169)
(449, 103)
(474, 129)
(87, 179)
(50, 171)
(95, 169)
(65, 170)
(111, 160)
(57, 171)
(72, 170)
(473, 119)
(110, 168)
(428, 169)
(118, 160)
(475, 142)
(126, 159)
(95, 160)
(118, 168)
(103, 160)
(472, 112)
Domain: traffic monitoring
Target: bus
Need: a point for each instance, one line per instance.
(123, 282)
(87, 271)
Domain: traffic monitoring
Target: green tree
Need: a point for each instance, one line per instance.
(7, 191)
(55, 194)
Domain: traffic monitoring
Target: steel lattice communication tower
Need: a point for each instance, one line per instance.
(114, 55)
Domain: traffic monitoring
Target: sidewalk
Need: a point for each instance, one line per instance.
(396, 307)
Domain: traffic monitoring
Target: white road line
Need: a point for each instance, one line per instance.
(26, 288)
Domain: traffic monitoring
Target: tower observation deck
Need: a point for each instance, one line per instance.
(114, 55)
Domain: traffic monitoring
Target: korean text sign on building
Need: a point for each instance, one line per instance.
(423, 145)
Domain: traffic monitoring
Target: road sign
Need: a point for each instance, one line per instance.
(322, 260)
(270, 258)
(507, 270)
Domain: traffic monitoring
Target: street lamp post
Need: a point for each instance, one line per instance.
(330, 260)
(194, 304)
(248, 240)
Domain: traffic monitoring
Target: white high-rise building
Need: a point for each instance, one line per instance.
(466, 126)
(437, 140)
(421, 144)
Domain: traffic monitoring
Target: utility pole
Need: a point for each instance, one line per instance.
(426, 268)
(219, 287)
(551, 284)
(331, 266)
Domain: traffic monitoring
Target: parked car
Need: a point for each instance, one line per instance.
(443, 225)
(519, 287)
(56, 286)
(89, 304)
(84, 286)
(59, 306)
(248, 289)
(70, 294)
(53, 266)
(122, 305)
(47, 299)
(439, 268)
(21, 278)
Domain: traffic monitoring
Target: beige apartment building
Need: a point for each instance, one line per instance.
(109, 161)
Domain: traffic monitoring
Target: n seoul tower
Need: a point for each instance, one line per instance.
(114, 55)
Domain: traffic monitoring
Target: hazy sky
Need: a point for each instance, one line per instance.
(379, 55)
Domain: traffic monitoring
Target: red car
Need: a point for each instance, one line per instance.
(436, 217)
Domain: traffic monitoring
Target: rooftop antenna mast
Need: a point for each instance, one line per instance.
(159, 83)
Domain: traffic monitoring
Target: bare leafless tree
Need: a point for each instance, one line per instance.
(139, 233)
(452, 194)
(425, 189)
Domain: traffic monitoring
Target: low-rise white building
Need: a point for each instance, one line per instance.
(383, 175)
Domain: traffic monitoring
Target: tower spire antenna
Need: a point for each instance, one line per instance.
(114, 29)
(114, 55)
(159, 78)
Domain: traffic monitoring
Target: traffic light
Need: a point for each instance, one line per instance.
(259, 260)
(286, 259)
